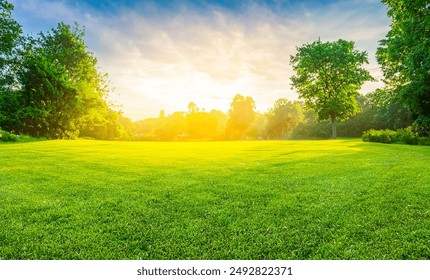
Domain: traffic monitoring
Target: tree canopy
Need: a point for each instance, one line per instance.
(240, 117)
(404, 56)
(283, 118)
(10, 32)
(60, 89)
(328, 77)
(10, 35)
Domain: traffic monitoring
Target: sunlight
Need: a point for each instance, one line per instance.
(190, 86)
(207, 58)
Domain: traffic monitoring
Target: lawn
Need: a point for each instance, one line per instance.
(329, 199)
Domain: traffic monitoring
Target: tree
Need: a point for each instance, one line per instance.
(62, 91)
(283, 118)
(170, 127)
(10, 34)
(47, 99)
(192, 108)
(390, 113)
(240, 117)
(113, 127)
(200, 124)
(219, 121)
(404, 56)
(328, 77)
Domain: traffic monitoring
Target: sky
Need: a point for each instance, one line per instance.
(161, 55)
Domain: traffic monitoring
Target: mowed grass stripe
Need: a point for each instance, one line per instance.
(341, 199)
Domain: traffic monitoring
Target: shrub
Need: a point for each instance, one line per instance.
(10, 137)
(422, 126)
(401, 136)
(406, 136)
(7, 137)
(381, 136)
(424, 141)
(367, 135)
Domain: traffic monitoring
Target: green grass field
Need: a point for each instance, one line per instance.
(335, 199)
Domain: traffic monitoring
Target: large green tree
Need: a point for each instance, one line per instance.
(62, 92)
(405, 57)
(328, 77)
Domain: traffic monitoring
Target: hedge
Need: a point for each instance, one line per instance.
(400, 136)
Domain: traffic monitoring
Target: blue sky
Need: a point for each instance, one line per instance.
(233, 5)
(160, 55)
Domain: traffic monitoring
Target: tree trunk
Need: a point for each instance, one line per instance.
(333, 128)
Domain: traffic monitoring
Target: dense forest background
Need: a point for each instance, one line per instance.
(50, 86)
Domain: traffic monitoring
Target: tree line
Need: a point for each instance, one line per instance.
(50, 86)
(286, 119)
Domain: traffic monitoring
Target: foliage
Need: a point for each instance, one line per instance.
(9, 28)
(7, 136)
(182, 126)
(424, 141)
(257, 129)
(381, 136)
(62, 91)
(47, 100)
(365, 119)
(311, 128)
(286, 119)
(202, 125)
(371, 116)
(240, 117)
(10, 35)
(195, 124)
(341, 199)
(50, 85)
(171, 127)
(422, 125)
(9, 103)
(390, 112)
(328, 77)
(110, 127)
(283, 118)
(10, 32)
(406, 136)
(401, 136)
(404, 56)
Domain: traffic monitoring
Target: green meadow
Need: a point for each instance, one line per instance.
(328, 199)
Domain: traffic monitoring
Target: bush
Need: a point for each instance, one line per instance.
(10, 137)
(401, 136)
(312, 129)
(422, 126)
(424, 141)
(406, 136)
(381, 136)
(7, 137)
